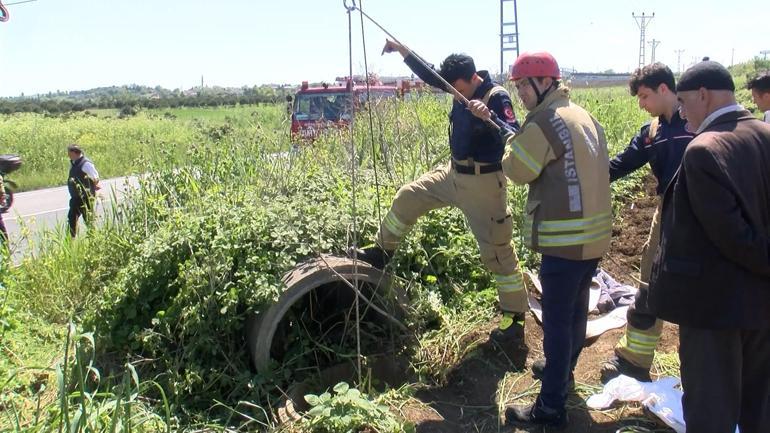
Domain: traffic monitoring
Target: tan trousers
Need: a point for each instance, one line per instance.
(483, 200)
(643, 330)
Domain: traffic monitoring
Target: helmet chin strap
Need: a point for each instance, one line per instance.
(540, 96)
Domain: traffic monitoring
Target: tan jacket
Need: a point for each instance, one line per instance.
(561, 152)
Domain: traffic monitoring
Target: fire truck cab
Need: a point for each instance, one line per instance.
(328, 106)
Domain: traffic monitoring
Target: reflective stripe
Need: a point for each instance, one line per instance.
(509, 283)
(573, 224)
(574, 239)
(394, 226)
(639, 349)
(525, 157)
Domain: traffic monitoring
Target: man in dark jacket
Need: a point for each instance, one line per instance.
(712, 272)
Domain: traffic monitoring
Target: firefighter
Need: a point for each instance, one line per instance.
(561, 152)
(661, 143)
(473, 182)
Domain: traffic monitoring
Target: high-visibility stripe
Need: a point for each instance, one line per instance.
(639, 349)
(396, 227)
(522, 155)
(574, 239)
(509, 283)
(573, 224)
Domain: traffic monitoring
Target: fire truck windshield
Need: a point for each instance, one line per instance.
(322, 106)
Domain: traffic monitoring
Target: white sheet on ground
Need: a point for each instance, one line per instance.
(661, 397)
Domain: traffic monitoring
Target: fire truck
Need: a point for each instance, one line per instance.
(327, 106)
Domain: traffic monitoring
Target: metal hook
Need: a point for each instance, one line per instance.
(350, 8)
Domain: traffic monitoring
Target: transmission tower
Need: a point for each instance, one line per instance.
(653, 44)
(509, 32)
(679, 60)
(642, 21)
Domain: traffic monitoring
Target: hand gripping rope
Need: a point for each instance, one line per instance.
(460, 97)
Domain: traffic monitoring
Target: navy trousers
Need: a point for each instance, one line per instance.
(566, 286)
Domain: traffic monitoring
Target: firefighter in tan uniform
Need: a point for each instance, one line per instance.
(561, 153)
(473, 182)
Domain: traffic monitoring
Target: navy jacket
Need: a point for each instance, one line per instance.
(712, 269)
(664, 153)
(470, 136)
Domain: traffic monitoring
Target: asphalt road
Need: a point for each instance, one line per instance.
(35, 213)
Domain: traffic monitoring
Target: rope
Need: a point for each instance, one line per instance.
(354, 187)
(371, 121)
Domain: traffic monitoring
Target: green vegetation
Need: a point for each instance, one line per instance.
(150, 306)
(132, 145)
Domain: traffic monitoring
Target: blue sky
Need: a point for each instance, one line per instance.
(54, 45)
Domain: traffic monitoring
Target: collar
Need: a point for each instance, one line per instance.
(484, 86)
(719, 112)
(561, 92)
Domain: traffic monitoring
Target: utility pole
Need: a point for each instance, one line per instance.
(679, 60)
(653, 44)
(764, 53)
(732, 58)
(642, 21)
(509, 32)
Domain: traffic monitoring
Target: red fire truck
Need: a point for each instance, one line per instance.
(317, 108)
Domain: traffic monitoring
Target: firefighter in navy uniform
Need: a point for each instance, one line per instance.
(661, 143)
(473, 182)
(82, 183)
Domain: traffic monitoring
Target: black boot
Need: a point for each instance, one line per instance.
(616, 366)
(538, 369)
(373, 255)
(536, 414)
(510, 330)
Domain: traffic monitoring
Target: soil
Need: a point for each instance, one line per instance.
(467, 402)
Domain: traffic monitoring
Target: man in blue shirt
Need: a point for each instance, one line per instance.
(473, 182)
(660, 143)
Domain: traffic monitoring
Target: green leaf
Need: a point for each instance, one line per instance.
(341, 388)
(313, 400)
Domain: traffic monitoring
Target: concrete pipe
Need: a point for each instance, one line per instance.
(316, 277)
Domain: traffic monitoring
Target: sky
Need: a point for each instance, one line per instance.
(51, 45)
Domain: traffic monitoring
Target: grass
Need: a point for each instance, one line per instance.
(119, 147)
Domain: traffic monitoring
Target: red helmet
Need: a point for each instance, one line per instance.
(532, 65)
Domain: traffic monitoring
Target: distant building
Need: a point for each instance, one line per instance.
(598, 79)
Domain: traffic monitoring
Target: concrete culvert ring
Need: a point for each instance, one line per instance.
(318, 303)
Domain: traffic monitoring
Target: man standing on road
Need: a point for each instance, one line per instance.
(3, 230)
(561, 153)
(661, 143)
(473, 182)
(82, 183)
(712, 272)
(760, 92)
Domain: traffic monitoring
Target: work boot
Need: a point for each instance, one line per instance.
(374, 255)
(510, 330)
(616, 366)
(536, 414)
(538, 369)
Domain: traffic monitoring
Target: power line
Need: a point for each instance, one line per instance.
(642, 21)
